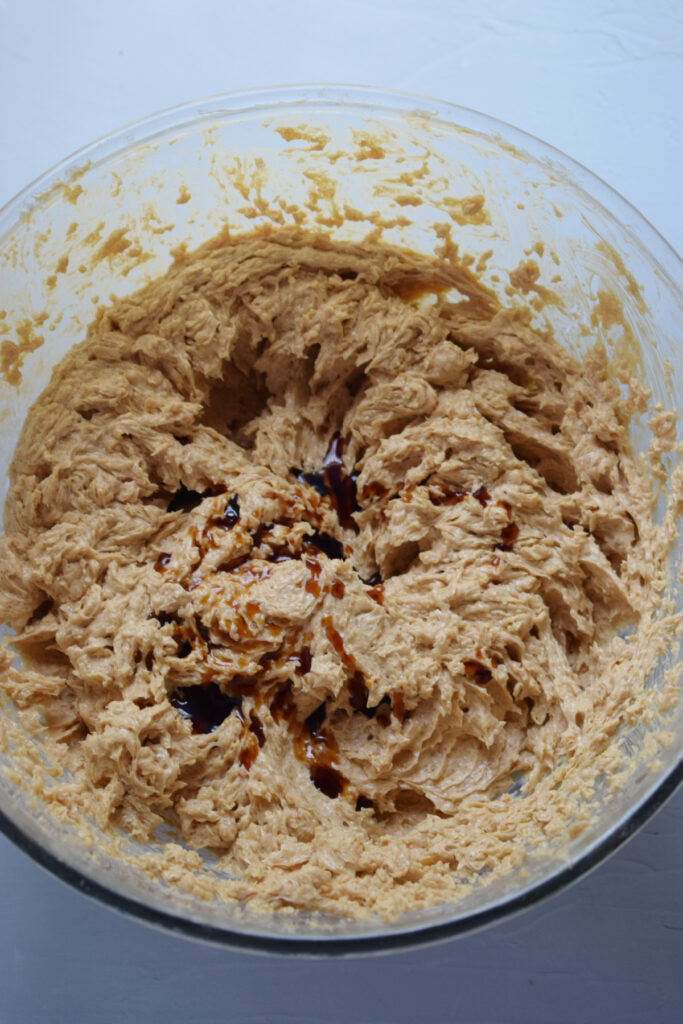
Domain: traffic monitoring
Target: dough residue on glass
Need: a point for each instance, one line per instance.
(319, 556)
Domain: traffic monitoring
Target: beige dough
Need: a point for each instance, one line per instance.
(360, 686)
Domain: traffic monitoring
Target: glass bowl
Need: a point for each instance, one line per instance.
(109, 219)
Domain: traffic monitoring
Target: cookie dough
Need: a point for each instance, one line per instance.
(319, 557)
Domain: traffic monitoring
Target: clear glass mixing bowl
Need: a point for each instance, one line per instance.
(108, 219)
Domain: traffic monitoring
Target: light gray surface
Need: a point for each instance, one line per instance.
(604, 83)
(609, 949)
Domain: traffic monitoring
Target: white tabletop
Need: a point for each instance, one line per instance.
(603, 83)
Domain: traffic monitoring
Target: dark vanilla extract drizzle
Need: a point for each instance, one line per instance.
(334, 482)
(207, 706)
(184, 500)
(230, 517)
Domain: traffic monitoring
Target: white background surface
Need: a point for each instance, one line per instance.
(601, 81)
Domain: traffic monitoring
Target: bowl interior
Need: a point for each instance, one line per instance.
(347, 162)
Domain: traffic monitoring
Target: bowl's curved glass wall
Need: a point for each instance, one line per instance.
(347, 161)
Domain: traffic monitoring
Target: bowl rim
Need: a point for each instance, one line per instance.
(209, 106)
(376, 99)
(322, 947)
